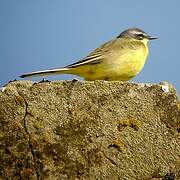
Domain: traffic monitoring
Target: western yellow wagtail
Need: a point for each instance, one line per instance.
(119, 59)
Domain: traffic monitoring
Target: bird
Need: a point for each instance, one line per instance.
(119, 59)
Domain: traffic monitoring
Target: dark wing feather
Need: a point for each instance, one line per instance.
(96, 56)
(91, 59)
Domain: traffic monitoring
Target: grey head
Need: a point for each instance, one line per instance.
(135, 33)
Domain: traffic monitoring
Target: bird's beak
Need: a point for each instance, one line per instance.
(152, 37)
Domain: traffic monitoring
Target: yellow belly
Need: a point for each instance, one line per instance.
(116, 66)
(127, 66)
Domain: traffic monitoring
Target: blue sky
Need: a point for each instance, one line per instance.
(44, 34)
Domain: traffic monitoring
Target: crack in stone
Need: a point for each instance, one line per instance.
(99, 106)
(29, 141)
(69, 96)
(112, 162)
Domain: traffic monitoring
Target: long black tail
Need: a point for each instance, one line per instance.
(46, 72)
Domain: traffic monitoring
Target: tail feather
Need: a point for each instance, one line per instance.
(46, 72)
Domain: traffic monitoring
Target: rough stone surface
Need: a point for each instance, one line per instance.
(89, 130)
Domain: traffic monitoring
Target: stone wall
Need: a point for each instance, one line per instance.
(89, 130)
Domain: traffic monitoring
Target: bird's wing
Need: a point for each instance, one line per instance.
(95, 57)
(91, 59)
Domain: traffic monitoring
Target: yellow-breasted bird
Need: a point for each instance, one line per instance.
(119, 59)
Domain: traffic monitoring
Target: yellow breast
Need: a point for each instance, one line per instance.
(129, 63)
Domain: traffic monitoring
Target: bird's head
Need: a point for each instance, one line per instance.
(136, 34)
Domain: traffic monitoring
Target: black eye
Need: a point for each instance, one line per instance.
(140, 36)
